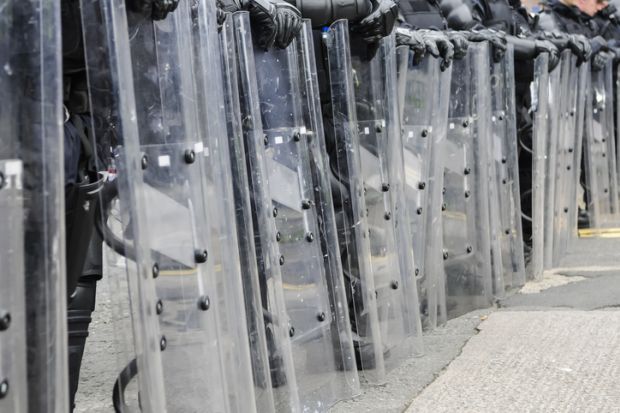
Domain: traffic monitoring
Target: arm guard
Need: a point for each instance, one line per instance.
(325, 12)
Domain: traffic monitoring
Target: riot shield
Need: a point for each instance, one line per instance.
(263, 345)
(380, 149)
(565, 187)
(601, 177)
(366, 159)
(189, 327)
(277, 135)
(33, 348)
(466, 231)
(420, 109)
(504, 159)
(539, 90)
(555, 105)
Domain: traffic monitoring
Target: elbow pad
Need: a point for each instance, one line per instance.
(458, 15)
(325, 12)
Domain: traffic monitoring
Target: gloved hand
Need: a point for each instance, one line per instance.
(580, 46)
(413, 39)
(545, 46)
(442, 44)
(460, 43)
(380, 22)
(497, 40)
(278, 22)
(598, 43)
(600, 60)
(156, 9)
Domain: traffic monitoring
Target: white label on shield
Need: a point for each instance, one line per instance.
(366, 131)
(198, 147)
(278, 140)
(163, 160)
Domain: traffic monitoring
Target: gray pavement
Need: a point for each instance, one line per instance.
(553, 349)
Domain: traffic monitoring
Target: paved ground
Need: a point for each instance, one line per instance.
(554, 348)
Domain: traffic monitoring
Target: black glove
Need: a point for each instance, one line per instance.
(413, 39)
(443, 46)
(580, 46)
(545, 46)
(277, 22)
(156, 9)
(460, 43)
(380, 22)
(495, 38)
(598, 44)
(161, 8)
(576, 43)
(600, 60)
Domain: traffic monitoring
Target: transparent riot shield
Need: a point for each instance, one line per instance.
(505, 160)
(186, 337)
(467, 248)
(565, 195)
(33, 348)
(420, 113)
(555, 105)
(281, 175)
(262, 342)
(381, 156)
(601, 177)
(576, 192)
(539, 90)
(366, 160)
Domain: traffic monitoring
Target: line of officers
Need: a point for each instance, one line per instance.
(289, 192)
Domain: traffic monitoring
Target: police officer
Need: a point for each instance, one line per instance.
(83, 182)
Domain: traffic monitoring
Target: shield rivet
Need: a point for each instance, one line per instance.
(387, 216)
(321, 317)
(281, 259)
(566, 210)
(155, 270)
(385, 187)
(504, 159)
(504, 181)
(417, 271)
(467, 194)
(163, 343)
(305, 204)
(394, 285)
(444, 206)
(424, 133)
(465, 123)
(190, 156)
(570, 150)
(507, 232)
(266, 140)
(144, 162)
(275, 212)
(309, 237)
(278, 236)
(421, 185)
(606, 190)
(469, 249)
(159, 307)
(291, 331)
(4, 388)
(296, 136)
(467, 171)
(419, 211)
(445, 255)
(201, 256)
(568, 167)
(378, 128)
(204, 302)
(1, 180)
(5, 320)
